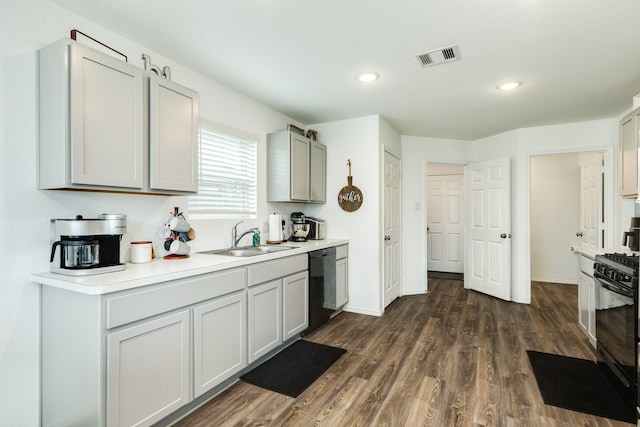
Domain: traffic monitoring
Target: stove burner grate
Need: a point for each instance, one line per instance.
(630, 260)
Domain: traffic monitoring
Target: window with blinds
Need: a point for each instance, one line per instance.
(227, 184)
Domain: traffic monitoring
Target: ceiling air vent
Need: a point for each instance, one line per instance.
(438, 56)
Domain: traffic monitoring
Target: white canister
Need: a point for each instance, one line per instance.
(141, 252)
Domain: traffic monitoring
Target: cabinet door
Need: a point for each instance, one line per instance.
(629, 155)
(295, 315)
(583, 301)
(265, 318)
(591, 326)
(219, 340)
(318, 172)
(148, 371)
(106, 109)
(586, 306)
(342, 282)
(173, 136)
(299, 167)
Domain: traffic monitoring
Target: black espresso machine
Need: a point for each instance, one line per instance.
(87, 246)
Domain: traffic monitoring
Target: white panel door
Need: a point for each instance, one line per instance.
(591, 199)
(392, 228)
(445, 213)
(488, 268)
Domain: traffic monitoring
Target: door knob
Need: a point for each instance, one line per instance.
(387, 237)
(505, 235)
(578, 234)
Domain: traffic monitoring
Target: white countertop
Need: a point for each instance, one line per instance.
(163, 270)
(591, 252)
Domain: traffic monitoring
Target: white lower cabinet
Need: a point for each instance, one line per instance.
(278, 303)
(342, 276)
(219, 341)
(587, 298)
(586, 305)
(134, 357)
(265, 319)
(148, 370)
(295, 295)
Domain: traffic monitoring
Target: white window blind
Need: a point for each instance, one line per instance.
(227, 184)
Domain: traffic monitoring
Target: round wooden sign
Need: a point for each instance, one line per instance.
(350, 197)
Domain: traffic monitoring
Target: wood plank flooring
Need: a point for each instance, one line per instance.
(452, 357)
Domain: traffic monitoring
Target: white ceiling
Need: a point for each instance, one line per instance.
(578, 59)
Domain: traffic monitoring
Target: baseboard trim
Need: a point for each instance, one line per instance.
(552, 280)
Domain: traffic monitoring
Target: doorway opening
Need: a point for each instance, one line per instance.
(445, 221)
(566, 211)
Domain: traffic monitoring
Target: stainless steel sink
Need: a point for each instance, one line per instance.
(245, 251)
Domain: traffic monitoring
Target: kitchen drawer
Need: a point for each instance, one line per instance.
(127, 308)
(270, 270)
(342, 251)
(586, 265)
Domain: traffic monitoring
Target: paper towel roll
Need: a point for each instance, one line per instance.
(275, 227)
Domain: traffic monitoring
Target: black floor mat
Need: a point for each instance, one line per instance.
(578, 385)
(295, 368)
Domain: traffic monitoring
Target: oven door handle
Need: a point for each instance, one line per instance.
(620, 290)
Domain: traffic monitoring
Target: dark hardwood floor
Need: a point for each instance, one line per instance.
(452, 357)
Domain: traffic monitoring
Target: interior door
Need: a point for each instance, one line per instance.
(445, 226)
(591, 221)
(392, 228)
(488, 255)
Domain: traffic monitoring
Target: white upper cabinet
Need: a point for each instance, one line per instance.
(296, 168)
(91, 119)
(629, 128)
(173, 136)
(299, 167)
(96, 134)
(317, 173)
(106, 120)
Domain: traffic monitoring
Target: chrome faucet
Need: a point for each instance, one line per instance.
(234, 234)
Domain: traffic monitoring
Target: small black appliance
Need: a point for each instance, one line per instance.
(299, 227)
(87, 246)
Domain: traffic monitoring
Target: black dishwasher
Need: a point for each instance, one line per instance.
(322, 282)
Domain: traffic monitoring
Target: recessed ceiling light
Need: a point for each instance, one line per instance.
(367, 77)
(508, 86)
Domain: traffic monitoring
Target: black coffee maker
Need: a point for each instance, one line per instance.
(631, 238)
(87, 246)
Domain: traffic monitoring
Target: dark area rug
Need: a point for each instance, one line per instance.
(578, 385)
(295, 368)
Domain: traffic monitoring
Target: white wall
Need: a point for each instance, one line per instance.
(439, 169)
(358, 140)
(518, 145)
(555, 217)
(25, 26)
(416, 153)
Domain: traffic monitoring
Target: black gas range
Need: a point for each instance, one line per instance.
(616, 277)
